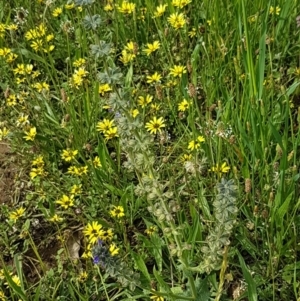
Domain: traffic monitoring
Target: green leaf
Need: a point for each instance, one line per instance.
(251, 286)
(141, 265)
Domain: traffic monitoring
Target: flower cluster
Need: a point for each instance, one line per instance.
(108, 129)
(40, 40)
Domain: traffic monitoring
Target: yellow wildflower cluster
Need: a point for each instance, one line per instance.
(8, 54)
(23, 71)
(37, 167)
(40, 41)
(219, 169)
(144, 100)
(128, 53)
(126, 7)
(16, 214)
(78, 171)
(108, 129)
(94, 232)
(177, 20)
(78, 77)
(195, 144)
(181, 3)
(103, 89)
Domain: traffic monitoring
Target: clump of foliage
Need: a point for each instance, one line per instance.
(158, 150)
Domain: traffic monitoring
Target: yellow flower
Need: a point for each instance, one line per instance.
(38, 161)
(104, 125)
(143, 101)
(11, 57)
(151, 230)
(113, 250)
(177, 70)
(15, 279)
(69, 6)
(134, 112)
(36, 171)
(154, 78)
(97, 162)
(82, 170)
(12, 27)
(50, 37)
(181, 3)
(176, 20)
(155, 125)
(4, 51)
(192, 33)
(68, 154)
(108, 235)
(126, 7)
(104, 88)
(3, 133)
(76, 189)
(22, 120)
(152, 47)
(73, 170)
(185, 157)
(108, 7)
(11, 100)
(274, 10)
(30, 135)
(41, 87)
(20, 69)
(183, 106)
(117, 211)
(155, 106)
(219, 169)
(15, 215)
(57, 11)
(37, 45)
(82, 276)
(195, 144)
(131, 47)
(81, 72)
(93, 231)
(65, 201)
(79, 62)
(55, 218)
(111, 133)
(156, 298)
(126, 57)
(160, 10)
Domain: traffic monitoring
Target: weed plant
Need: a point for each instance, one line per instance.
(158, 150)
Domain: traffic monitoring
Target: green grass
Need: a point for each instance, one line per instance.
(203, 208)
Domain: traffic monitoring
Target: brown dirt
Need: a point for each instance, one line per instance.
(7, 174)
